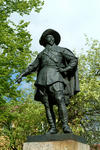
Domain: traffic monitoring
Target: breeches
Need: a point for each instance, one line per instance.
(50, 95)
(54, 93)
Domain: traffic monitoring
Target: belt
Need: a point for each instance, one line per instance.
(48, 65)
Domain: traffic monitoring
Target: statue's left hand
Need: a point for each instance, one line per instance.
(64, 69)
(61, 69)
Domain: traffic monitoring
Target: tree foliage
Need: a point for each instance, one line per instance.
(85, 106)
(20, 6)
(20, 120)
(15, 54)
(15, 42)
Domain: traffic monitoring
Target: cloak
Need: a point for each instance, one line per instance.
(71, 80)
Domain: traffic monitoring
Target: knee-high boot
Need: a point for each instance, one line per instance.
(50, 117)
(63, 114)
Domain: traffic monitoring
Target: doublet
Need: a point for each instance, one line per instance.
(47, 63)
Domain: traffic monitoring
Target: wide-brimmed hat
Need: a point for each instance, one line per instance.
(55, 34)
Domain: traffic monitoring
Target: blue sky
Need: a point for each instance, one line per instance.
(71, 18)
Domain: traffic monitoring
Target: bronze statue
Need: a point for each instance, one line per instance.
(57, 78)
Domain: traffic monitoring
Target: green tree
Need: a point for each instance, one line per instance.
(22, 119)
(85, 106)
(15, 53)
(15, 42)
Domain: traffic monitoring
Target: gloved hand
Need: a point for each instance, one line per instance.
(61, 70)
(64, 69)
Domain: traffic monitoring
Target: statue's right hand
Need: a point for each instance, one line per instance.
(19, 79)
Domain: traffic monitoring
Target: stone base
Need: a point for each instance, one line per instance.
(65, 142)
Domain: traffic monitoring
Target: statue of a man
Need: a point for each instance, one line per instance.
(57, 78)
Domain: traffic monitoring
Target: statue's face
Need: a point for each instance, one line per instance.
(50, 39)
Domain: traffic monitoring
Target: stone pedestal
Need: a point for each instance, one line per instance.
(56, 142)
